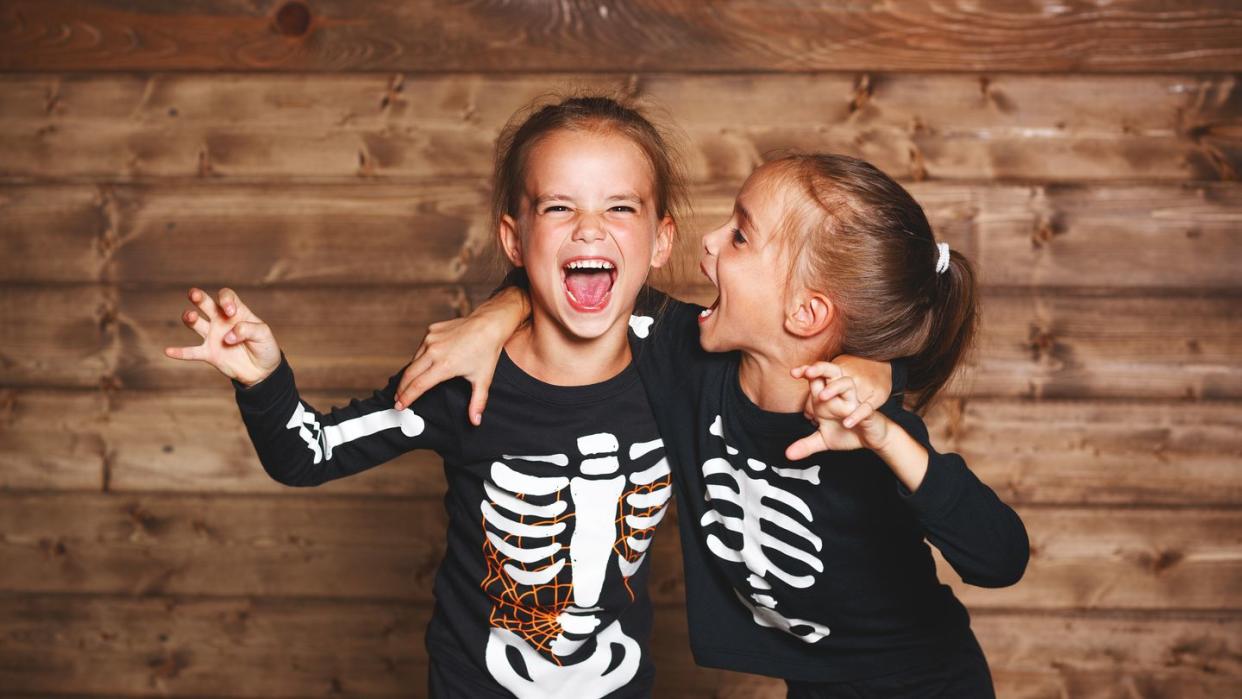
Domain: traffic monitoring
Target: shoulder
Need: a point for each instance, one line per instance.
(654, 310)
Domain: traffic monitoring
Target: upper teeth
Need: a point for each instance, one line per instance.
(590, 264)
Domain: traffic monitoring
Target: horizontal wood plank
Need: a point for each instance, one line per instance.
(1114, 236)
(1036, 452)
(291, 648)
(333, 35)
(1097, 452)
(375, 127)
(291, 546)
(1032, 346)
(226, 648)
(53, 440)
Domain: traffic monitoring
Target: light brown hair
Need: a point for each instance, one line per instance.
(860, 238)
(588, 112)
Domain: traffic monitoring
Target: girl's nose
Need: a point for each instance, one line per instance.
(589, 229)
(711, 242)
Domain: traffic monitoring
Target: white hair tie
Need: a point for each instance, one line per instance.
(942, 263)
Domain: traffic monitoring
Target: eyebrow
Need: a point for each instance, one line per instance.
(627, 196)
(747, 222)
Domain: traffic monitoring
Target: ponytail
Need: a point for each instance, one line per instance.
(858, 236)
(953, 322)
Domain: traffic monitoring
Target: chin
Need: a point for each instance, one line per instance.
(589, 325)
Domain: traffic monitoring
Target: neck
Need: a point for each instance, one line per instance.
(766, 379)
(546, 351)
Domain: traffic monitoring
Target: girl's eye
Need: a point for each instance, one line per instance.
(556, 208)
(738, 238)
(624, 208)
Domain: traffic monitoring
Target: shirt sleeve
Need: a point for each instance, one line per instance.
(301, 446)
(981, 537)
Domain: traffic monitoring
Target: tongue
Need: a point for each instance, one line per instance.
(589, 288)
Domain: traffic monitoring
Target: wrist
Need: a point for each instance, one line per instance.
(904, 455)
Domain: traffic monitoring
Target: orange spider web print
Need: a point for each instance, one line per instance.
(530, 611)
(533, 611)
(625, 531)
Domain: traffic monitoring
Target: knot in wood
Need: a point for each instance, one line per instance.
(293, 19)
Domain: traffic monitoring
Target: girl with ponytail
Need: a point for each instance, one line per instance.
(805, 503)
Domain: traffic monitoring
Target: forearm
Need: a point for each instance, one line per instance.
(981, 537)
(300, 446)
(903, 454)
(508, 307)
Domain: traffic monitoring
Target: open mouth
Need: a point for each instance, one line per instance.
(588, 283)
(707, 312)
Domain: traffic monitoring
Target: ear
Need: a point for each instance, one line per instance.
(666, 233)
(813, 314)
(510, 242)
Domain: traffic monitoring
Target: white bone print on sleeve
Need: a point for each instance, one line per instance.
(322, 440)
(751, 499)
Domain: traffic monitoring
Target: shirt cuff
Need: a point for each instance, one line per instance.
(900, 368)
(941, 486)
(264, 395)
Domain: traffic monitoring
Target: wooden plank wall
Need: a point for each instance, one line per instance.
(329, 160)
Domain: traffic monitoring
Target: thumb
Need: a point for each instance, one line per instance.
(811, 444)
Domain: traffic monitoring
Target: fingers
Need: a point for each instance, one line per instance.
(205, 305)
(478, 400)
(822, 370)
(864, 411)
(843, 387)
(230, 304)
(810, 444)
(412, 382)
(247, 331)
(186, 353)
(195, 322)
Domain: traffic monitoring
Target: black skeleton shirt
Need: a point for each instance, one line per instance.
(552, 504)
(815, 570)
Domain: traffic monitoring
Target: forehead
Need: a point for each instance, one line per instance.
(588, 158)
(767, 194)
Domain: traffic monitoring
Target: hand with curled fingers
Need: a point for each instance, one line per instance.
(466, 347)
(235, 341)
(843, 421)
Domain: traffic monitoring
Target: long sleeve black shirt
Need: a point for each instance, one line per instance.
(552, 503)
(815, 570)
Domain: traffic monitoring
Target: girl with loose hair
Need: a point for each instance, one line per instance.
(553, 502)
(801, 564)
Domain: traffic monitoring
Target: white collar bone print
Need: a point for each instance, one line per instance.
(525, 521)
(749, 500)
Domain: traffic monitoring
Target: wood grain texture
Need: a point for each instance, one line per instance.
(1090, 344)
(1097, 452)
(1031, 452)
(298, 547)
(52, 440)
(368, 127)
(330, 35)
(1149, 237)
(170, 646)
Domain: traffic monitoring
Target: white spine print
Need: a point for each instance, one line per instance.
(321, 440)
(752, 498)
(527, 527)
(595, 528)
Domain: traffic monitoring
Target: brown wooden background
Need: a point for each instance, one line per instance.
(329, 158)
